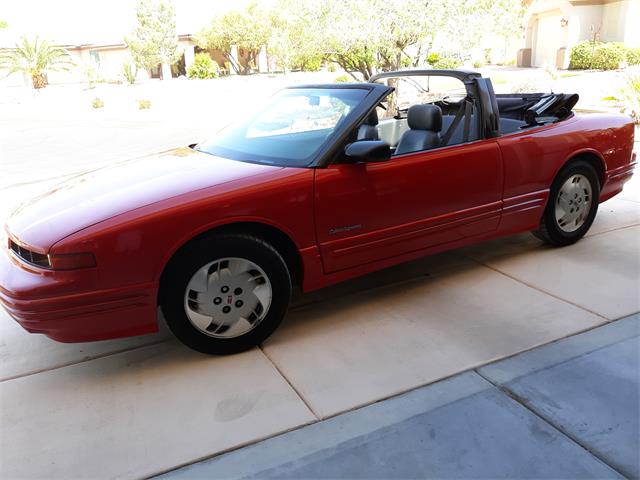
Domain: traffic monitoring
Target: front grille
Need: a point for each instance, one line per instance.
(28, 256)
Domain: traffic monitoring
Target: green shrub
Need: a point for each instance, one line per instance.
(97, 103)
(447, 64)
(129, 71)
(609, 56)
(342, 79)
(331, 67)
(433, 58)
(144, 104)
(581, 55)
(477, 64)
(597, 55)
(203, 67)
(633, 56)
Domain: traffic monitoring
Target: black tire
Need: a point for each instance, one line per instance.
(203, 251)
(550, 231)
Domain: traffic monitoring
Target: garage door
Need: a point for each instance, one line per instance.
(547, 39)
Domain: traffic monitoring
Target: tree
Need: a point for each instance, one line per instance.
(247, 29)
(472, 23)
(347, 37)
(367, 36)
(154, 41)
(3, 24)
(36, 59)
(294, 33)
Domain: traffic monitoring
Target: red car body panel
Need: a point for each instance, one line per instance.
(344, 220)
(107, 192)
(394, 208)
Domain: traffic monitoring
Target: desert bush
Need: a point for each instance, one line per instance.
(477, 64)
(97, 103)
(129, 71)
(144, 104)
(331, 67)
(597, 55)
(447, 63)
(633, 56)
(203, 67)
(342, 79)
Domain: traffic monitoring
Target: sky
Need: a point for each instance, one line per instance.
(74, 22)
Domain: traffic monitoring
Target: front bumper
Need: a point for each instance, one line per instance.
(70, 306)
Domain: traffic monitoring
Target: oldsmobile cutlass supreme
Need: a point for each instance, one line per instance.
(325, 183)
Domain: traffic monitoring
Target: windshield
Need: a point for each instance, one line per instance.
(290, 130)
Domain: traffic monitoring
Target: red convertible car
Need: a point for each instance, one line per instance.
(324, 183)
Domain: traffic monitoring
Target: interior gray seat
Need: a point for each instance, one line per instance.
(425, 123)
(369, 128)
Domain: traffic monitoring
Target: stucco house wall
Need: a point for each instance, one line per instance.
(553, 27)
(108, 61)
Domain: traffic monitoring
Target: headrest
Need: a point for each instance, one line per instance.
(425, 117)
(372, 118)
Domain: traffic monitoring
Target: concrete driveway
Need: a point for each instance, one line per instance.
(563, 410)
(147, 405)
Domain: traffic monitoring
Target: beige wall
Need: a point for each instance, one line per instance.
(586, 16)
(632, 24)
(616, 20)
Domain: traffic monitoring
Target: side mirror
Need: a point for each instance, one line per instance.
(368, 151)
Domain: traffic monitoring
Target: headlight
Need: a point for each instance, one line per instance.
(72, 261)
(64, 261)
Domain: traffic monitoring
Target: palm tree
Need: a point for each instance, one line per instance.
(36, 58)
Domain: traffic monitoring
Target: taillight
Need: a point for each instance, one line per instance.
(72, 261)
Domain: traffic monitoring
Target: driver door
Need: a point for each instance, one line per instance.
(368, 212)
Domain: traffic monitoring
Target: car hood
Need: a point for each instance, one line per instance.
(94, 196)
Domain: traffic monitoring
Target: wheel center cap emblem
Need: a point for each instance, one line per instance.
(229, 299)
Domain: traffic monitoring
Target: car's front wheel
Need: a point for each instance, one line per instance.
(572, 205)
(225, 293)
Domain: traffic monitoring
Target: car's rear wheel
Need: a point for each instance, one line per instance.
(572, 205)
(225, 293)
